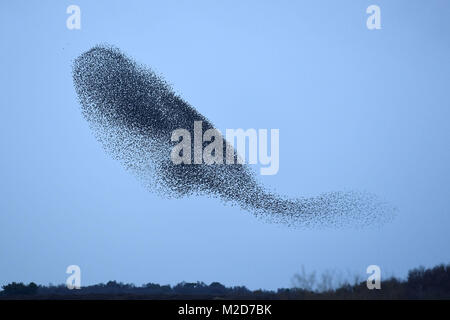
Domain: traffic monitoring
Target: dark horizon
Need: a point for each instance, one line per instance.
(421, 283)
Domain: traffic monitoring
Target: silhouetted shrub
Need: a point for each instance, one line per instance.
(15, 288)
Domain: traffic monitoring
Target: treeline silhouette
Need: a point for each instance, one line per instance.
(421, 283)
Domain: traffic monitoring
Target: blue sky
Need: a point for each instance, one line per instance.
(357, 110)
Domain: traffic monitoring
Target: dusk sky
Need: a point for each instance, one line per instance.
(356, 109)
